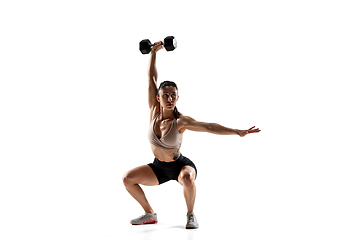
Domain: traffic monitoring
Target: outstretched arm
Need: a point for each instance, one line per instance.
(193, 125)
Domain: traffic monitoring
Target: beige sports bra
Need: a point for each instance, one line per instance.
(170, 141)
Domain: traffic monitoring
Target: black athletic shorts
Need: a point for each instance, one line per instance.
(166, 171)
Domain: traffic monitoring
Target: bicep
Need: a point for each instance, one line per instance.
(193, 125)
(152, 92)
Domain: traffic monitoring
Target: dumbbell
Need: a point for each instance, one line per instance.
(145, 46)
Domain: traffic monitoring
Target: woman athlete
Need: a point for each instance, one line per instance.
(167, 126)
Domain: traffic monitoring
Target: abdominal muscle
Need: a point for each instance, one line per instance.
(164, 155)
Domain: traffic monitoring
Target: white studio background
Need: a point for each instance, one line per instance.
(74, 115)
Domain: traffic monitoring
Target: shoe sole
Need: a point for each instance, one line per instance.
(191, 227)
(149, 221)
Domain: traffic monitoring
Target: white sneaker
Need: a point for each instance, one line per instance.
(192, 222)
(147, 218)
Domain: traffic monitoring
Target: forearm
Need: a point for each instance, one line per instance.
(152, 81)
(221, 130)
(152, 71)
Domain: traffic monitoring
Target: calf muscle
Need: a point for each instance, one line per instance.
(141, 175)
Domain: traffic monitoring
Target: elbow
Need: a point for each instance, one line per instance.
(209, 127)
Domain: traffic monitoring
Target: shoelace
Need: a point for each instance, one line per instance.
(191, 218)
(142, 216)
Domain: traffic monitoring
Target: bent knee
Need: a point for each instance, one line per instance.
(126, 179)
(186, 179)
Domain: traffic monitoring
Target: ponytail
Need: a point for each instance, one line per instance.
(176, 113)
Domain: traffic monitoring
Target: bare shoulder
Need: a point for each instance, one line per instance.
(153, 111)
(183, 121)
(188, 123)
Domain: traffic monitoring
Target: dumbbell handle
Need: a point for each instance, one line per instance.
(156, 45)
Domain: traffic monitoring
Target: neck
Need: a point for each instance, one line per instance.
(167, 113)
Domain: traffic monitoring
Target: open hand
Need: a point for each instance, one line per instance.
(242, 133)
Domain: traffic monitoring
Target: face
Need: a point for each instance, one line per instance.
(168, 96)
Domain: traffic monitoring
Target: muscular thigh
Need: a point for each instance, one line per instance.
(142, 175)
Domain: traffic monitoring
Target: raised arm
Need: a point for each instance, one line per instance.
(193, 125)
(153, 76)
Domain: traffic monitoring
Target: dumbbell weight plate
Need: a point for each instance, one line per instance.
(145, 46)
(170, 43)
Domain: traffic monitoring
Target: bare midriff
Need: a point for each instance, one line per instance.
(165, 155)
